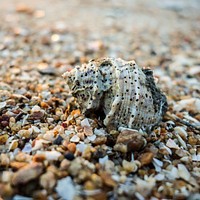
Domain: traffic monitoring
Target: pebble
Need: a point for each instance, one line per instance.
(192, 104)
(96, 179)
(183, 172)
(181, 131)
(92, 138)
(24, 133)
(107, 179)
(75, 139)
(71, 147)
(146, 158)
(58, 140)
(88, 131)
(89, 185)
(13, 145)
(6, 176)
(17, 165)
(4, 160)
(48, 180)
(129, 141)
(27, 173)
(3, 138)
(2, 104)
(171, 144)
(85, 122)
(75, 167)
(51, 155)
(129, 166)
(69, 156)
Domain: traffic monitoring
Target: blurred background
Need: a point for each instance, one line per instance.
(149, 31)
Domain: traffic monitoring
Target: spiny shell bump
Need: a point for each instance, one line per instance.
(120, 91)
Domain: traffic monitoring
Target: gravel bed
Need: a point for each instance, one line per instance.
(49, 149)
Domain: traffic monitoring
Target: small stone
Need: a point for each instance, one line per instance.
(25, 174)
(71, 147)
(75, 139)
(146, 158)
(64, 164)
(100, 140)
(92, 138)
(2, 104)
(129, 166)
(89, 185)
(85, 122)
(75, 167)
(3, 138)
(35, 109)
(13, 145)
(171, 144)
(192, 140)
(24, 133)
(48, 180)
(96, 179)
(129, 141)
(87, 153)
(39, 157)
(22, 157)
(17, 165)
(6, 190)
(107, 179)
(4, 160)
(52, 155)
(88, 131)
(6, 176)
(183, 172)
(49, 136)
(191, 104)
(58, 140)
(69, 156)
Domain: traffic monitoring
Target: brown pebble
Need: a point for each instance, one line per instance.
(192, 140)
(3, 139)
(4, 160)
(48, 180)
(17, 165)
(100, 140)
(44, 105)
(39, 158)
(129, 141)
(96, 180)
(89, 185)
(27, 173)
(71, 147)
(107, 179)
(146, 158)
(6, 190)
(88, 130)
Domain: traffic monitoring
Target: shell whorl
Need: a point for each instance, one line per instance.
(121, 90)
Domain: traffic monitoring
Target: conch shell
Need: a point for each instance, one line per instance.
(118, 91)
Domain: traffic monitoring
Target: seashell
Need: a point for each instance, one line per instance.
(120, 92)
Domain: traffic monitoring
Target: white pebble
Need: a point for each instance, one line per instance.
(85, 122)
(75, 138)
(188, 104)
(183, 172)
(171, 144)
(103, 160)
(91, 138)
(2, 104)
(36, 108)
